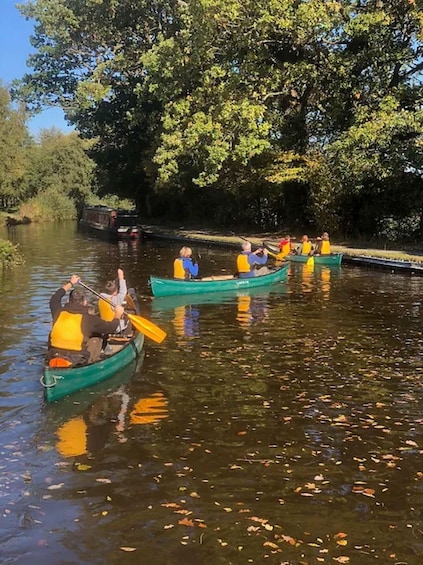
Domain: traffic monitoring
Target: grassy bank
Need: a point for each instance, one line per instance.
(384, 250)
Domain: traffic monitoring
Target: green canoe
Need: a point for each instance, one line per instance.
(168, 287)
(61, 381)
(332, 260)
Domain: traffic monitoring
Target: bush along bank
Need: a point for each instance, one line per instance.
(10, 255)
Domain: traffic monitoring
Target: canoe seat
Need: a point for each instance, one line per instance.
(118, 339)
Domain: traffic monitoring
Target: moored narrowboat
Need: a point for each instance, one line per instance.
(112, 223)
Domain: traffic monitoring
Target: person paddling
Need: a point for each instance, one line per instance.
(305, 246)
(115, 291)
(285, 247)
(323, 245)
(247, 260)
(184, 266)
(76, 334)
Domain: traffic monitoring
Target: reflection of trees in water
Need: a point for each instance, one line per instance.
(88, 433)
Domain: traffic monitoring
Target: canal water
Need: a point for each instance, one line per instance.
(281, 426)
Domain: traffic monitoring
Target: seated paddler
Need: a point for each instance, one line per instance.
(77, 334)
(115, 292)
(323, 245)
(248, 260)
(185, 267)
(285, 247)
(305, 247)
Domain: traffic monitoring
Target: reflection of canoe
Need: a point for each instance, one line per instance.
(332, 260)
(162, 303)
(168, 287)
(61, 381)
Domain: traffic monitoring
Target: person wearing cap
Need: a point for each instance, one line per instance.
(76, 334)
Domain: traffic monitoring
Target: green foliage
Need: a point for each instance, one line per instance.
(10, 255)
(13, 142)
(49, 204)
(59, 162)
(111, 200)
(255, 99)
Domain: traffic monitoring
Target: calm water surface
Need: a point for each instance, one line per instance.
(283, 426)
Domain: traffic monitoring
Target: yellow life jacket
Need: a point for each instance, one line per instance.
(66, 332)
(178, 268)
(325, 248)
(105, 310)
(285, 250)
(306, 248)
(242, 263)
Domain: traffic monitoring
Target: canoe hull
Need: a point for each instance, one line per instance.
(59, 382)
(169, 287)
(332, 260)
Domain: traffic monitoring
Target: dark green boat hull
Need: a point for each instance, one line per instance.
(59, 382)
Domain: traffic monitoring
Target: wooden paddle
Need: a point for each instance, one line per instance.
(140, 324)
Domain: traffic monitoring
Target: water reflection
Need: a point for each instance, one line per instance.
(186, 321)
(280, 435)
(307, 276)
(251, 309)
(106, 419)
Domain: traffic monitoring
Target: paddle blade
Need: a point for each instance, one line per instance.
(147, 328)
(310, 261)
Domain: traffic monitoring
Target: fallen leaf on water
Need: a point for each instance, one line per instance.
(124, 548)
(186, 522)
(271, 544)
(55, 487)
(342, 542)
(82, 467)
(106, 481)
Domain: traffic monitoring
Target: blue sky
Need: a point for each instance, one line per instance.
(14, 50)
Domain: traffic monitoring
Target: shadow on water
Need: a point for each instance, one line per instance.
(283, 425)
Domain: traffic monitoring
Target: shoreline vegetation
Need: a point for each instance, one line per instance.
(10, 254)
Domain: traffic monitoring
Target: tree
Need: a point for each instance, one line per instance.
(14, 141)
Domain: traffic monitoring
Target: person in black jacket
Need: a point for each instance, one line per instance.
(77, 335)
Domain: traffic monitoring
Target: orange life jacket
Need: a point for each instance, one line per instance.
(66, 332)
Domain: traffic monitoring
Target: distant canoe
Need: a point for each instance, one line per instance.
(332, 260)
(168, 287)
